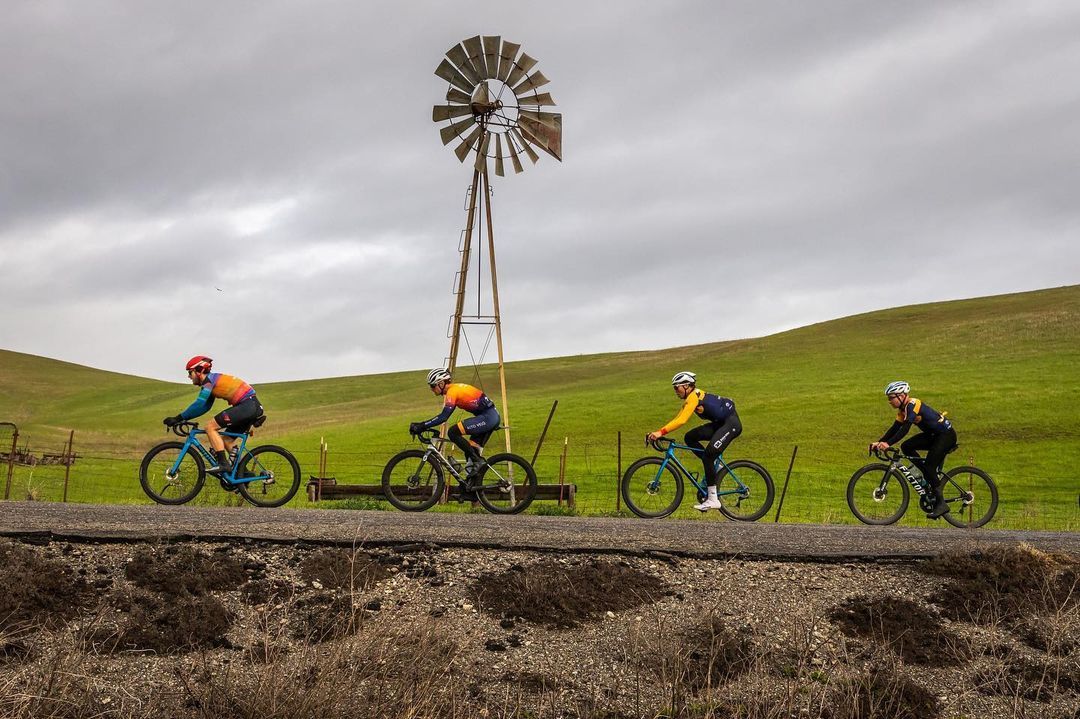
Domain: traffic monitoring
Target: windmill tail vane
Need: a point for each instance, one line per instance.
(495, 93)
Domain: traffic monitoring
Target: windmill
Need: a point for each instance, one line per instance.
(493, 109)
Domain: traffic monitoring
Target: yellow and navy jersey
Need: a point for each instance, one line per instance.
(916, 413)
(461, 395)
(219, 386)
(710, 407)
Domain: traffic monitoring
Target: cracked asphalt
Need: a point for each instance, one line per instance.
(687, 538)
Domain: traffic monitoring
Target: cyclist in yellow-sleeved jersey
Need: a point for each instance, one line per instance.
(484, 421)
(244, 408)
(722, 427)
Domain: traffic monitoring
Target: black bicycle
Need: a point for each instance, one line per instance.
(414, 480)
(880, 493)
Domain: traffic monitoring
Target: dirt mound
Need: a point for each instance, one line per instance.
(166, 625)
(38, 591)
(1004, 582)
(324, 617)
(881, 693)
(1056, 636)
(563, 595)
(268, 591)
(342, 569)
(709, 656)
(185, 570)
(912, 630)
(1032, 680)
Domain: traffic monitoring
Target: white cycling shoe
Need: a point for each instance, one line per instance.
(709, 503)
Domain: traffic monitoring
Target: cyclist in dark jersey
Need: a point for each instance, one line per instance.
(244, 408)
(484, 421)
(722, 427)
(936, 436)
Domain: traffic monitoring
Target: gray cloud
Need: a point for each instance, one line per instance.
(729, 171)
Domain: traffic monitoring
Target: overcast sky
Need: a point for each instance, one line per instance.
(730, 170)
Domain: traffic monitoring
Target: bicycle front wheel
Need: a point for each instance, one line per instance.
(745, 490)
(651, 489)
(276, 472)
(972, 497)
(507, 485)
(877, 494)
(168, 482)
(412, 481)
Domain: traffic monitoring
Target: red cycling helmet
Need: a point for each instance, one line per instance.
(199, 363)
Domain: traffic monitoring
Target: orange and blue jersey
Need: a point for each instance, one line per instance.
(219, 386)
(918, 413)
(465, 396)
(709, 407)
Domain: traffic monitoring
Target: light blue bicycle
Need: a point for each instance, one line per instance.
(652, 487)
(174, 472)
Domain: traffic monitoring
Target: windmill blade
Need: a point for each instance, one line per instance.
(492, 44)
(448, 72)
(466, 145)
(481, 95)
(445, 112)
(481, 154)
(498, 156)
(525, 145)
(538, 99)
(514, 153)
(459, 57)
(449, 132)
(475, 48)
(522, 66)
(457, 96)
(532, 82)
(506, 59)
(550, 119)
(546, 138)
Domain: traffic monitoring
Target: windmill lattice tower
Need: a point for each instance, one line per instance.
(493, 108)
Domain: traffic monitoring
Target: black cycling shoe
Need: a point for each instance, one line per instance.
(941, 508)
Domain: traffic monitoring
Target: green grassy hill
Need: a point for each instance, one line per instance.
(1004, 367)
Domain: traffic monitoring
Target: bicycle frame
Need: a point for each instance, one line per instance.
(231, 478)
(434, 444)
(669, 456)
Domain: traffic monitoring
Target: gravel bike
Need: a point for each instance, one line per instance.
(879, 493)
(174, 472)
(413, 480)
(652, 487)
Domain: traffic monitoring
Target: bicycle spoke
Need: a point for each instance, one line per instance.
(412, 481)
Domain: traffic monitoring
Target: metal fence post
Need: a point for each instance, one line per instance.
(67, 462)
(786, 479)
(11, 459)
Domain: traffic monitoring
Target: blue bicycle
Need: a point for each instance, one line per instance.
(652, 487)
(174, 472)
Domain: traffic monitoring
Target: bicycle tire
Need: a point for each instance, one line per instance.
(749, 475)
(499, 486)
(956, 480)
(643, 481)
(862, 498)
(280, 464)
(416, 490)
(153, 470)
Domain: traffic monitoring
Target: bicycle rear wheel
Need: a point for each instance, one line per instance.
(746, 491)
(278, 473)
(651, 489)
(507, 485)
(411, 481)
(972, 497)
(165, 486)
(877, 494)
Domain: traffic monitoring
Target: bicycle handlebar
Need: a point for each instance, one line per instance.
(183, 429)
(660, 444)
(889, 454)
(426, 436)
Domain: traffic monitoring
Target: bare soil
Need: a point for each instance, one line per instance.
(251, 629)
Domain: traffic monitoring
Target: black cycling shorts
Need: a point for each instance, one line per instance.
(240, 417)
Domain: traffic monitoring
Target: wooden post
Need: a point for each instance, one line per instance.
(67, 462)
(505, 407)
(11, 461)
(780, 505)
(540, 442)
(466, 250)
(618, 472)
(562, 469)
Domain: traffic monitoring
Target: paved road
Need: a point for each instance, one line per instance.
(82, 522)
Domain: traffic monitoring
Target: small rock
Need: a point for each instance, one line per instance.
(494, 645)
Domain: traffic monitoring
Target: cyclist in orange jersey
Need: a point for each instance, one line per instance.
(244, 408)
(484, 421)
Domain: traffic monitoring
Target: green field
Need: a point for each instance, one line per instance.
(1004, 367)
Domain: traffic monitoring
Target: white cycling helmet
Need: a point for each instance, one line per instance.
(684, 378)
(437, 375)
(895, 388)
